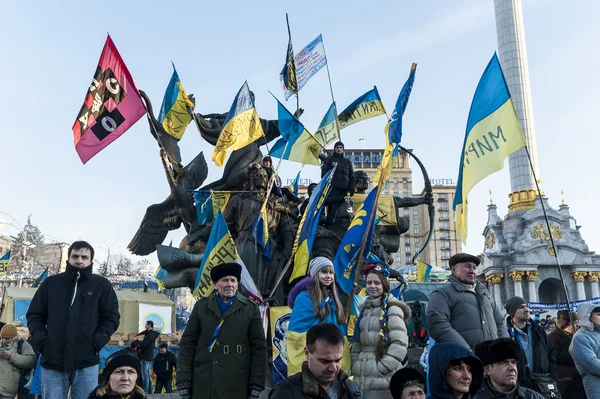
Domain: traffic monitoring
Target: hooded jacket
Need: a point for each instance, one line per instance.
(372, 376)
(70, 336)
(440, 357)
(585, 348)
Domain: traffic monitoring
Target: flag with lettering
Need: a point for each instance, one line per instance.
(364, 107)
(112, 105)
(288, 73)
(4, 261)
(309, 61)
(329, 129)
(174, 116)
(493, 133)
(395, 130)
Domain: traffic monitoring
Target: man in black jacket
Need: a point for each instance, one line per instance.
(147, 354)
(537, 353)
(164, 363)
(322, 376)
(71, 317)
(570, 382)
(342, 184)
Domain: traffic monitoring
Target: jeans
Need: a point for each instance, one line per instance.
(146, 379)
(55, 384)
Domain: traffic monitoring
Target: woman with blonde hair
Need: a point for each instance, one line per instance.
(313, 300)
(119, 378)
(380, 345)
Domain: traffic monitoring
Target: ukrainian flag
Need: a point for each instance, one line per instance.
(219, 249)
(387, 163)
(423, 271)
(395, 130)
(329, 129)
(174, 116)
(347, 254)
(159, 276)
(241, 127)
(308, 226)
(260, 232)
(296, 143)
(294, 186)
(4, 261)
(364, 107)
(493, 133)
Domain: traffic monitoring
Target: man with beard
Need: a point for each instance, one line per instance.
(499, 358)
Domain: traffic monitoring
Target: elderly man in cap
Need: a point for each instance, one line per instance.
(570, 382)
(499, 358)
(537, 352)
(463, 311)
(408, 383)
(223, 350)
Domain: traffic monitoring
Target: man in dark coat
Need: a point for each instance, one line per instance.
(537, 354)
(570, 383)
(223, 350)
(463, 311)
(71, 317)
(499, 358)
(342, 184)
(164, 363)
(322, 376)
(146, 354)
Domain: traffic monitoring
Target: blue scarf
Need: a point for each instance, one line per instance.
(225, 305)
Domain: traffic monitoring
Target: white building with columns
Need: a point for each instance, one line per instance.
(518, 258)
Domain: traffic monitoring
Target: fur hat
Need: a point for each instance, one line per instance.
(9, 331)
(513, 304)
(124, 357)
(493, 351)
(224, 270)
(462, 257)
(318, 263)
(403, 378)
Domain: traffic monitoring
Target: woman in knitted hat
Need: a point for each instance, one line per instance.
(13, 363)
(313, 300)
(119, 377)
(380, 345)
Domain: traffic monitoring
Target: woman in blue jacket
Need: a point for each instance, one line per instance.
(454, 372)
(585, 348)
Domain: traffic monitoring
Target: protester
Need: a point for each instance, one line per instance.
(537, 367)
(454, 372)
(223, 350)
(309, 191)
(463, 311)
(277, 189)
(119, 378)
(342, 184)
(322, 376)
(585, 348)
(499, 358)
(380, 345)
(424, 359)
(408, 383)
(146, 354)
(71, 317)
(313, 300)
(164, 363)
(570, 383)
(16, 356)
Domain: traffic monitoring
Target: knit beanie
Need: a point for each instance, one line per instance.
(124, 357)
(9, 331)
(513, 304)
(318, 263)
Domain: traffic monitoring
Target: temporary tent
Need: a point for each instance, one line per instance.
(16, 302)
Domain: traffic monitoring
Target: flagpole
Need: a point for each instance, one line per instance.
(331, 90)
(560, 273)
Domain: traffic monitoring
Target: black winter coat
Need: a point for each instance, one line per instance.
(487, 392)
(148, 345)
(164, 365)
(69, 337)
(543, 354)
(570, 382)
(343, 177)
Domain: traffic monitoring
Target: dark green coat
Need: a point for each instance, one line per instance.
(239, 356)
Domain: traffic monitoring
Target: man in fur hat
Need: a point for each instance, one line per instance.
(499, 358)
(223, 350)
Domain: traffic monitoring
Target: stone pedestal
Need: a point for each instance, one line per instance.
(517, 277)
(579, 278)
(531, 276)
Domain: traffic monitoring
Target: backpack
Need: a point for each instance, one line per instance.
(26, 374)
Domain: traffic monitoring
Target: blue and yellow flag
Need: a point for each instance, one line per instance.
(329, 129)
(364, 107)
(296, 143)
(395, 130)
(360, 229)
(4, 261)
(308, 226)
(159, 276)
(423, 271)
(260, 232)
(40, 279)
(174, 116)
(294, 186)
(387, 162)
(493, 133)
(241, 127)
(219, 249)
